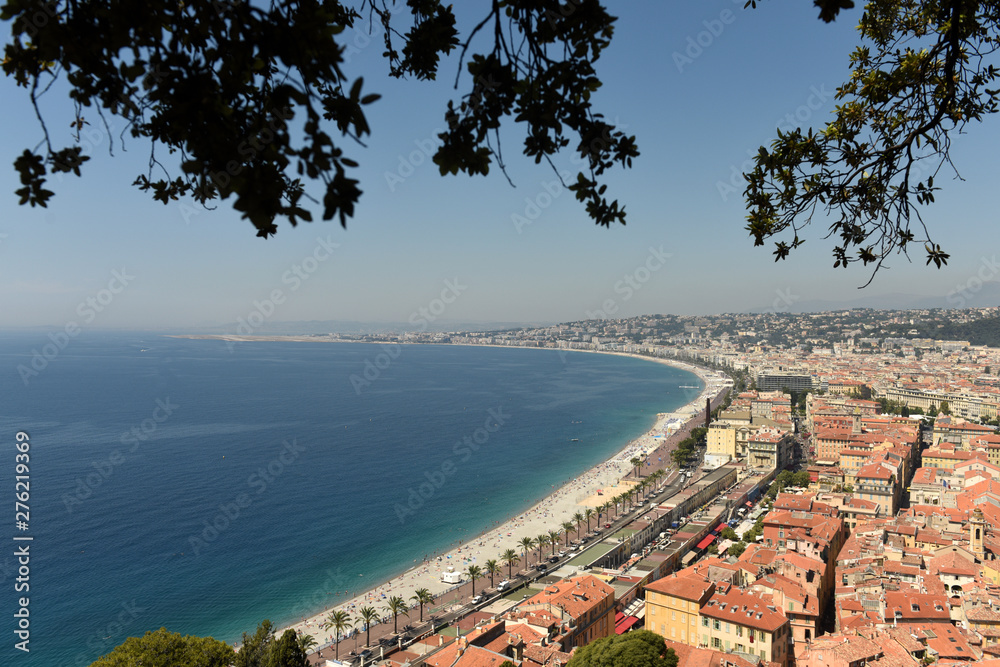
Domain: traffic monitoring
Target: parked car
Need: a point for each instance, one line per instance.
(503, 585)
(479, 598)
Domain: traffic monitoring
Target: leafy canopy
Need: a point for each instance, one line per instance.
(923, 72)
(639, 648)
(168, 649)
(255, 102)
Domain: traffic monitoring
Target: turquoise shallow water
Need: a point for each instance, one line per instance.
(187, 484)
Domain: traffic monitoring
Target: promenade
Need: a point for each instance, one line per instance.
(450, 601)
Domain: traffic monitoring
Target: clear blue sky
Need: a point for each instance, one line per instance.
(695, 123)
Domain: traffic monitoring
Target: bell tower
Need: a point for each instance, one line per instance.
(977, 530)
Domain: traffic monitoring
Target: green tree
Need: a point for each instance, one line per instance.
(263, 649)
(728, 534)
(474, 572)
(567, 529)
(801, 478)
(640, 648)
(636, 462)
(554, 540)
(945, 408)
(541, 542)
(492, 569)
(168, 649)
(527, 544)
(339, 621)
(221, 85)
(578, 518)
(397, 605)
(510, 559)
(307, 642)
(423, 596)
(588, 515)
(286, 651)
(368, 617)
(737, 549)
(921, 75)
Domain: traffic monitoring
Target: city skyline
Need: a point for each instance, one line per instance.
(701, 87)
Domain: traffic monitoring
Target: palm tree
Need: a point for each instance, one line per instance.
(492, 569)
(554, 540)
(306, 642)
(474, 572)
(578, 517)
(606, 509)
(588, 515)
(636, 462)
(396, 606)
(339, 620)
(422, 596)
(368, 616)
(542, 542)
(510, 559)
(527, 544)
(567, 526)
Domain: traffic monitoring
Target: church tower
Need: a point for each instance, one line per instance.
(977, 530)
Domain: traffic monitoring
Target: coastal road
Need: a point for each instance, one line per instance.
(458, 600)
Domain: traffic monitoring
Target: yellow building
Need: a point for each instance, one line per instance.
(736, 620)
(672, 605)
(690, 609)
(721, 439)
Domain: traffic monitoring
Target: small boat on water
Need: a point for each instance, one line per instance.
(575, 440)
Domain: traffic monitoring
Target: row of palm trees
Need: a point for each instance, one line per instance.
(340, 621)
(552, 538)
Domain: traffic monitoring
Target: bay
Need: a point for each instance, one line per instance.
(204, 486)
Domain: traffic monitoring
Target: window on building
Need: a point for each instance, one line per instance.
(673, 615)
(760, 635)
(704, 621)
(717, 624)
(716, 642)
(739, 630)
(727, 628)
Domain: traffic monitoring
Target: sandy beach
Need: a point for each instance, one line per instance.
(549, 514)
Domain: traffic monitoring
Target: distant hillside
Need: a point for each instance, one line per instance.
(980, 332)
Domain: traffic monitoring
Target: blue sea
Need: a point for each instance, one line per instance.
(204, 486)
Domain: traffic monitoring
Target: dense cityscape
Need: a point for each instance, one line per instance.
(836, 507)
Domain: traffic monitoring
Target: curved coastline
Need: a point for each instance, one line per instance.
(543, 515)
